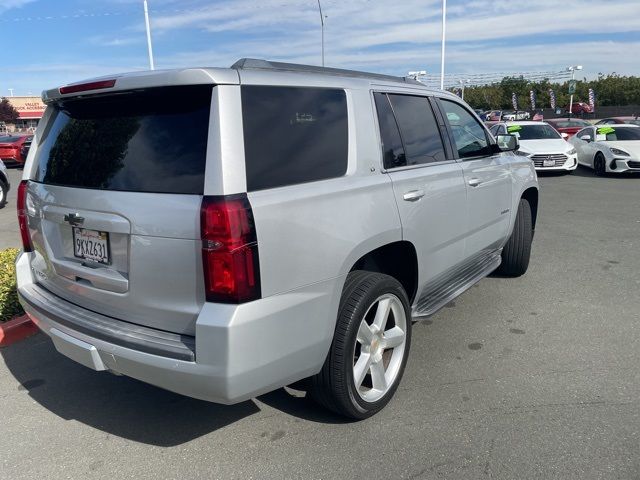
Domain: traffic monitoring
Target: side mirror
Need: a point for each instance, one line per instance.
(564, 135)
(507, 143)
(586, 138)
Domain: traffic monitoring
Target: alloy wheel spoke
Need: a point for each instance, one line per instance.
(361, 368)
(382, 314)
(377, 376)
(393, 338)
(365, 335)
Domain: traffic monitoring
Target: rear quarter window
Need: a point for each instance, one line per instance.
(293, 135)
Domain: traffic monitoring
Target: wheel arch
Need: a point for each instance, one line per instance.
(397, 259)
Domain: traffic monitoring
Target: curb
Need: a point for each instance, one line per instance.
(16, 329)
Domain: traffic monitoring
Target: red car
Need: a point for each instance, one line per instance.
(613, 120)
(11, 149)
(579, 107)
(570, 126)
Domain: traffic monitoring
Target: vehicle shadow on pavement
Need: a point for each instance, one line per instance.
(301, 407)
(117, 405)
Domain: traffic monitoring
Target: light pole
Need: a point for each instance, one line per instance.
(10, 91)
(148, 26)
(573, 69)
(462, 84)
(322, 28)
(444, 31)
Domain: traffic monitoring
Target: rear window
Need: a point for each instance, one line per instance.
(153, 140)
(293, 135)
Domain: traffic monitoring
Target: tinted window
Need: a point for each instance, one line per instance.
(469, 135)
(293, 135)
(418, 129)
(494, 130)
(393, 151)
(149, 141)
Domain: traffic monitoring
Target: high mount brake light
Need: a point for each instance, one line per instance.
(23, 221)
(229, 249)
(83, 87)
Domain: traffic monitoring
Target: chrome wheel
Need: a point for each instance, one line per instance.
(379, 347)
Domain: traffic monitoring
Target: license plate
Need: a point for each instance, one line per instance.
(91, 245)
(548, 163)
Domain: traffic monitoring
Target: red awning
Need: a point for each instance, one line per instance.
(30, 114)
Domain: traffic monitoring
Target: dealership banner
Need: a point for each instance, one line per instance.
(514, 100)
(552, 98)
(532, 96)
(592, 99)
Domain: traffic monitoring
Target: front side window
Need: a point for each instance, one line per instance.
(293, 135)
(468, 134)
(587, 132)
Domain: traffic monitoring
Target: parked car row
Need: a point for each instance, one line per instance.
(607, 148)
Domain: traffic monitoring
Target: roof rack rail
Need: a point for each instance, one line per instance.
(259, 64)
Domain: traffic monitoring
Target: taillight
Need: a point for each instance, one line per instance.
(229, 249)
(21, 203)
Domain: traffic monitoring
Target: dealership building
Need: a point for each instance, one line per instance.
(30, 110)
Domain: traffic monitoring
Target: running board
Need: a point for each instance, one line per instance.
(442, 290)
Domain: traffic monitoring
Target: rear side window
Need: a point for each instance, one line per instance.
(153, 140)
(293, 135)
(418, 128)
(392, 149)
(469, 135)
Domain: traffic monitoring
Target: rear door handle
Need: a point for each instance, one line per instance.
(413, 195)
(474, 182)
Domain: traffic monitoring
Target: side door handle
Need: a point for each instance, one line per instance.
(413, 195)
(474, 182)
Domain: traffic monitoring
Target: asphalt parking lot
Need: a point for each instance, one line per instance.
(535, 377)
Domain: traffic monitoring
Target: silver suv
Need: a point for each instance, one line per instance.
(223, 232)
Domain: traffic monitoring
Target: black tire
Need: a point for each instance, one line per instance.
(516, 253)
(4, 191)
(334, 387)
(599, 165)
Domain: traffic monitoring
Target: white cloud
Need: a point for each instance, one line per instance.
(11, 4)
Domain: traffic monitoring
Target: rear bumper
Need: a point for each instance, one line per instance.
(241, 351)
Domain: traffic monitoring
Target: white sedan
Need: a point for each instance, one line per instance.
(609, 148)
(540, 142)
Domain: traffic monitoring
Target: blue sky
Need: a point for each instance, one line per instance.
(47, 43)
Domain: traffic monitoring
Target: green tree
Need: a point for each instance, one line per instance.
(8, 113)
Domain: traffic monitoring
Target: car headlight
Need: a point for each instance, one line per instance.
(617, 151)
(572, 152)
(522, 154)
